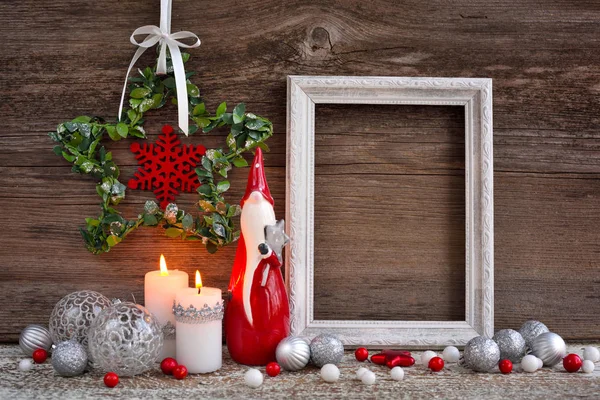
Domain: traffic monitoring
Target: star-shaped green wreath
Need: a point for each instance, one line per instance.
(80, 143)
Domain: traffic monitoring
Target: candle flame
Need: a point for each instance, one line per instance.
(198, 281)
(163, 266)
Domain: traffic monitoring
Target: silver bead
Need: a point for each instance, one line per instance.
(293, 353)
(73, 315)
(34, 337)
(126, 339)
(550, 348)
(481, 354)
(326, 349)
(511, 344)
(532, 329)
(69, 358)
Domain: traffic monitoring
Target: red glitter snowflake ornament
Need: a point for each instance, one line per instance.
(166, 167)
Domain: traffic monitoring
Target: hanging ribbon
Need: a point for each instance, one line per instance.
(165, 38)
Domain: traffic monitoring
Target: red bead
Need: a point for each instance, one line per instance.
(168, 365)
(361, 354)
(399, 361)
(40, 356)
(111, 379)
(180, 372)
(505, 366)
(273, 369)
(436, 364)
(572, 362)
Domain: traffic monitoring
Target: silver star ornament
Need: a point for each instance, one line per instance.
(276, 237)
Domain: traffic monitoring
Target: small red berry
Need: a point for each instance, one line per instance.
(40, 356)
(111, 379)
(168, 365)
(572, 362)
(361, 354)
(273, 369)
(436, 364)
(505, 366)
(180, 372)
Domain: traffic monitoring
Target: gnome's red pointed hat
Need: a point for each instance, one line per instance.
(257, 182)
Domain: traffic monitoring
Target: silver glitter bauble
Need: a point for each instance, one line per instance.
(73, 315)
(293, 353)
(69, 358)
(326, 349)
(126, 339)
(550, 348)
(532, 329)
(511, 344)
(34, 337)
(481, 354)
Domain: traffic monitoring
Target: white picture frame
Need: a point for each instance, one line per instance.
(475, 95)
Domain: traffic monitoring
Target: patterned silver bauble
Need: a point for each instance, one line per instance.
(326, 349)
(73, 315)
(550, 348)
(126, 339)
(532, 329)
(293, 353)
(69, 358)
(35, 337)
(511, 344)
(481, 354)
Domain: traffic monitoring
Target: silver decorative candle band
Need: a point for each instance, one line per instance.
(168, 331)
(192, 315)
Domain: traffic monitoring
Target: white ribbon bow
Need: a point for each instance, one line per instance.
(165, 38)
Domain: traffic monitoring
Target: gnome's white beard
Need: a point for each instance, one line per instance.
(256, 214)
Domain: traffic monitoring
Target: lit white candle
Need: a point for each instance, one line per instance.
(160, 288)
(198, 315)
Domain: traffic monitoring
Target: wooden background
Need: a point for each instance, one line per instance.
(61, 58)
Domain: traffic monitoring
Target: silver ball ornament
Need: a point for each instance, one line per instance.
(550, 348)
(73, 315)
(293, 353)
(481, 354)
(69, 358)
(511, 344)
(34, 337)
(326, 349)
(532, 329)
(125, 339)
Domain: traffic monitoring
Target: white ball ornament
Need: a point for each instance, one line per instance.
(540, 363)
(591, 353)
(368, 378)
(588, 366)
(360, 372)
(25, 364)
(451, 354)
(426, 356)
(330, 373)
(530, 363)
(253, 378)
(397, 373)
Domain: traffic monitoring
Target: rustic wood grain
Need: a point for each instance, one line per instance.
(65, 58)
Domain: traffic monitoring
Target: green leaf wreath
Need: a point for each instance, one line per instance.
(80, 143)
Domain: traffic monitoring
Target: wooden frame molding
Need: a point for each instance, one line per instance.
(475, 95)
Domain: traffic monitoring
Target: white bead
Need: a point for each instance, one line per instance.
(25, 364)
(426, 356)
(368, 378)
(591, 353)
(330, 373)
(588, 366)
(253, 378)
(530, 363)
(540, 363)
(397, 373)
(361, 372)
(451, 354)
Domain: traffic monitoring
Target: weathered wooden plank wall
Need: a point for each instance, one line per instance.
(64, 58)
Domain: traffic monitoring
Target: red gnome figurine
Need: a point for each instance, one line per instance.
(258, 314)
